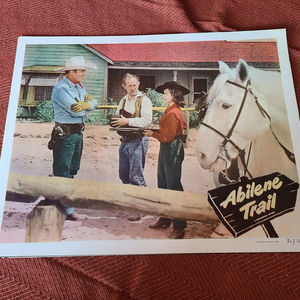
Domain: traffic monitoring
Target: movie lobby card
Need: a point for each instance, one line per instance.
(182, 143)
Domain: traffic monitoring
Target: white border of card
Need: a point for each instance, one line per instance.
(114, 247)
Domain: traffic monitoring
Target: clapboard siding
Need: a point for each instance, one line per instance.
(56, 55)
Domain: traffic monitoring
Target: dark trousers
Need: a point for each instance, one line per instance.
(170, 160)
(66, 159)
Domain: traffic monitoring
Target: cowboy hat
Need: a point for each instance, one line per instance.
(172, 85)
(77, 63)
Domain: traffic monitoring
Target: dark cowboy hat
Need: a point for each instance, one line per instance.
(172, 85)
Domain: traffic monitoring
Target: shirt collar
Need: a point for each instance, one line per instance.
(139, 93)
(172, 107)
(71, 83)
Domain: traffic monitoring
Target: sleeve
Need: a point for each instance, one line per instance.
(64, 99)
(146, 115)
(92, 102)
(168, 129)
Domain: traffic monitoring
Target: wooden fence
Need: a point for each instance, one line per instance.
(46, 221)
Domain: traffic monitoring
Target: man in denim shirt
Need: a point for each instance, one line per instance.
(70, 103)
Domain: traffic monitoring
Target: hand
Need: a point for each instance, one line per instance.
(88, 97)
(148, 133)
(79, 106)
(118, 122)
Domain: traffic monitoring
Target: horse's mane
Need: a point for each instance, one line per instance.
(266, 81)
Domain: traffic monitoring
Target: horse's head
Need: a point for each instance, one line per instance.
(230, 123)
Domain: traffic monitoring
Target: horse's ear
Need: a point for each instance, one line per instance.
(223, 68)
(242, 72)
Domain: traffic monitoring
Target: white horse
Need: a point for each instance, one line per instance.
(261, 121)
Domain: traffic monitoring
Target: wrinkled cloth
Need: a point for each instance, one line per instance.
(185, 276)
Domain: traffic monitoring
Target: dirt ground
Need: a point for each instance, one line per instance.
(99, 162)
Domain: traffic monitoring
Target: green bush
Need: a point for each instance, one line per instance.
(44, 112)
(96, 117)
(157, 101)
(99, 117)
(23, 113)
(193, 119)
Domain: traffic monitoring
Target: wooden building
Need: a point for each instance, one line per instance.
(39, 72)
(193, 64)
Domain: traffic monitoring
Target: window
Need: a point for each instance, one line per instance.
(199, 87)
(43, 93)
(37, 86)
(146, 82)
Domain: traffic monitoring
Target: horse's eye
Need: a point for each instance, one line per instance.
(226, 105)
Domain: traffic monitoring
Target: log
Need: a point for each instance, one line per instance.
(99, 195)
(45, 222)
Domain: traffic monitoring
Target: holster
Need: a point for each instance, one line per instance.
(57, 136)
(61, 131)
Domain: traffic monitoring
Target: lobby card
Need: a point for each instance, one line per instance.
(219, 172)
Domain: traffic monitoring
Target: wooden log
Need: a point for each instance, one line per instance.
(45, 222)
(99, 195)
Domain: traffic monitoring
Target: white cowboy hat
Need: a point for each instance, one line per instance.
(77, 63)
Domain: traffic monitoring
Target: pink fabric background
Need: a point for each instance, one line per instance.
(186, 276)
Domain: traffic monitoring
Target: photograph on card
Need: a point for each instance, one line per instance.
(169, 140)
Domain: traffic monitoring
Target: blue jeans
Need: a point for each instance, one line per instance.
(132, 161)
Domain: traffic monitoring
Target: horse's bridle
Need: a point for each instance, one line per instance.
(227, 137)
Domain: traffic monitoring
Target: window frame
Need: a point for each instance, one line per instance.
(35, 71)
(193, 85)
